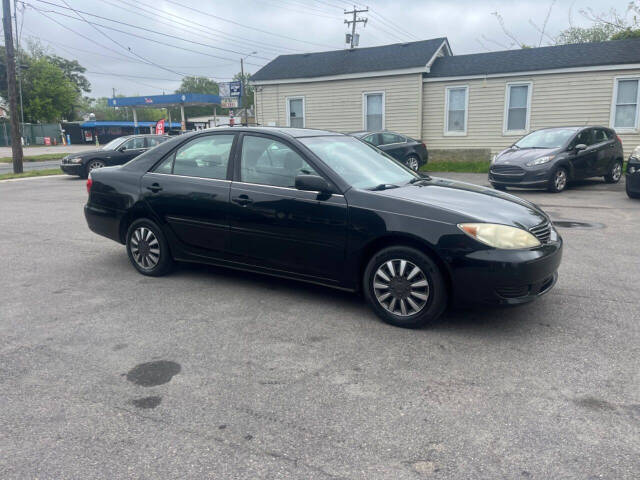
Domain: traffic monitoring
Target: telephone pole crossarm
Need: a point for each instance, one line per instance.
(352, 23)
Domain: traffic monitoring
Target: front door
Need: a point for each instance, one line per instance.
(584, 160)
(127, 151)
(277, 226)
(189, 192)
(604, 144)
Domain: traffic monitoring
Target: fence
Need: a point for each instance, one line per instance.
(33, 133)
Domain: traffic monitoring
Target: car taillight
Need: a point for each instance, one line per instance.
(89, 183)
(619, 139)
(423, 144)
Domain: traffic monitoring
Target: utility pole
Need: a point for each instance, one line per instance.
(19, 68)
(242, 96)
(351, 38)
(16, 141)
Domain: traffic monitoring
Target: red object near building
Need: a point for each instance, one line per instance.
(160, 127)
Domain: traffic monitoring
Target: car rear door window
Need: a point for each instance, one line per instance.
(204, 157)
(153, 141)
(600, 136)
(269, 162)
(389, 138)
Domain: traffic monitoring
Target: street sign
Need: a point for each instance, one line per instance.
(229, 102)
(160, 127)
(230, 89)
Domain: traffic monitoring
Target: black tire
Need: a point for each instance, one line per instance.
(615, 172)
(555, 184)
(413, 162)
(497, 186)
(436, 289)
(146, 248)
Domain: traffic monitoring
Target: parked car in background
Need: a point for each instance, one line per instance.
(405, 149)
(117, 152)
(552, 157)
(633, 174)
(325, 208)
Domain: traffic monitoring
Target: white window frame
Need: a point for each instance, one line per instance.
(288, 108)
(364, 108)
(507, 99)
(614, 101)
(455, 133)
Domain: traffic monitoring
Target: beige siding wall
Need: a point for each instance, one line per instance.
(337, 104)
(557, 99)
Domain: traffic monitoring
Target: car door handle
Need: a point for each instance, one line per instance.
(154, 187)
(242, 200)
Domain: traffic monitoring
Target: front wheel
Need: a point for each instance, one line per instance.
(413, 163)
(404, 287)
(148, 249)
(558, 180)
(615, 173)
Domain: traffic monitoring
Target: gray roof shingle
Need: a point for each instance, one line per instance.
(544, 58)
(358, 60)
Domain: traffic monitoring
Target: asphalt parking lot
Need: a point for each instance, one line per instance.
(209, 373)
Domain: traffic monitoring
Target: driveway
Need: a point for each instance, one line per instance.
(209, 373)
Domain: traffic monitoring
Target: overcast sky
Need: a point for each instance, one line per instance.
(151, 65)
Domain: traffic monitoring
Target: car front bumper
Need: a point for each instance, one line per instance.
(506, 277)
(633, 182)
(72, 168)
(535, 177)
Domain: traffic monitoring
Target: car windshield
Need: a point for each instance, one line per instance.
(359, 164)
(549, 138)
(115, 143)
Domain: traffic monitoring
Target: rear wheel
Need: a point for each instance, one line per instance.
(558, 180)
(404, 287)
(148, 249)
(615, 173)
(413, 162)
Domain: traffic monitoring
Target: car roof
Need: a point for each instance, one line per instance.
(282, 131)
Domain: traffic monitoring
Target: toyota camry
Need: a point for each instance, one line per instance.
(326, 208)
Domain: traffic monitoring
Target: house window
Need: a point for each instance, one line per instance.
(625, 114)
(374, 111)
(517, 106)
(295, 112)
(456, 110)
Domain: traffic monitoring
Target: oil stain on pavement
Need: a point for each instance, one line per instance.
(147, 402)
(155, 373)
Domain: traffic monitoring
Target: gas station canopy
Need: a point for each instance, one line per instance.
(184, 99)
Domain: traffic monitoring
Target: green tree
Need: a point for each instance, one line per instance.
(599, 32)
(248, 89)
(196, 85)
(48, 95)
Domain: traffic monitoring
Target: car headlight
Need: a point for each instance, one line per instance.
(636, 152)
(75, 160)
(493, 159)
(540, 160)
(633, 169)
(500, 236)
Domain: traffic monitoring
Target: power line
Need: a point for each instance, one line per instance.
(137, 36)
(203, 31)
(309, 10)
(78, 12)
(235, 38)
(393, 25)
(249, 27)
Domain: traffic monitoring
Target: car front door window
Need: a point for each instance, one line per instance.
(265, 161)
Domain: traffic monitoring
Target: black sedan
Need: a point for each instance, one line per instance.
(117, 152)
(404, 149)
(326, 208)
(633, 174)
(552, 157)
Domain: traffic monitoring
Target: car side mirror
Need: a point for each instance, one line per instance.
(579, 147)
(122, 149)
(312, 183)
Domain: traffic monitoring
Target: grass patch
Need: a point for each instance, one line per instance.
(455, 166)
(31, 173)
(36, 158)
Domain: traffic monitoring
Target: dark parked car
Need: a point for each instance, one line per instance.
(407, 150)
(633, 174)
(117, 152)
(325, 208)
(552, 157)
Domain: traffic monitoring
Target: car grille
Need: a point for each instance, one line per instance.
(507, 170)
(542, 232)
(514, 291)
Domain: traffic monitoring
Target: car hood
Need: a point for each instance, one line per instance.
(471, 201)
(520, 156)
(87, 153)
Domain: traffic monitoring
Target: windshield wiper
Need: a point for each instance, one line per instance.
(418, 179)
(383, 186)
